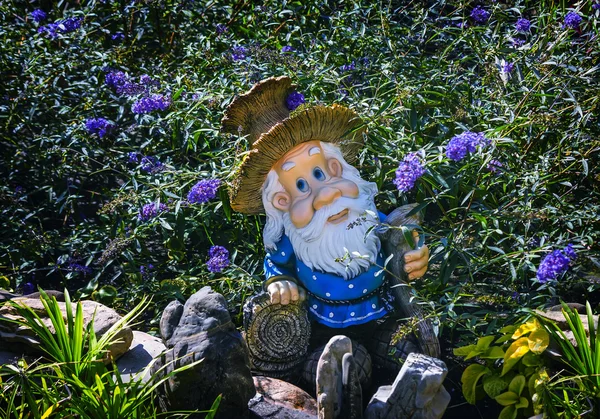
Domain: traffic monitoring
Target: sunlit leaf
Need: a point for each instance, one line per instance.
(514, 353)
(470, 379)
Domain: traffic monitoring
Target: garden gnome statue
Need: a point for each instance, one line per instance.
(318, 209)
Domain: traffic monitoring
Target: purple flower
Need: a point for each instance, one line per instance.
(348, 67)
(596, 6)
(118, 36)
(464, 143)
(221, 28)
(130, 88)
(148, 81)
(409, 170)
(152, 103)
(133, 157)
(219, 259)
(494, 166)
(555, 264)
(480, 15)
(77, 267)
(146, 270)
(38, 15)
(287, 48)
(151, 164)
(98, 126)
(239, 53)
(523, 25)
(517, 42)
(61, 26)
(507, 67)
(151, 210)
(115, 79)
(28, 288)
(203, 191)
(294, 100)
(572, 20)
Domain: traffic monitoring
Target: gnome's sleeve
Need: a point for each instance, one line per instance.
(280, 261)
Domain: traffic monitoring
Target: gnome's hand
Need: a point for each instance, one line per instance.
(416, 261)
(284, 292)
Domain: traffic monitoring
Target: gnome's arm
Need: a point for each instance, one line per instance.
(280, 268)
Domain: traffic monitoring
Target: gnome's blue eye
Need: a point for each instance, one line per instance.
(318, 173)
(302, 185)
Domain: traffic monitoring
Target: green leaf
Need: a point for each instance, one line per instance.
(494, 385)
(464, 350)
(495, 352)
(514, 353)
(509, 412)
(523, 403)
(507, 398)
(530, 359)
(517, 384)
(470, 379)
(484, 343)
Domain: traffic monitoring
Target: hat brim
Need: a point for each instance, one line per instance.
(333, 124)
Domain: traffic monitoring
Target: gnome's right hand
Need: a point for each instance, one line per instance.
(284, 292)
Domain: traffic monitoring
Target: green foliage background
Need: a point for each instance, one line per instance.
(424, 72)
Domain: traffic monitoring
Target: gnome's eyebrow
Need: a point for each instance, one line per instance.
(314, 150)
(288, 165)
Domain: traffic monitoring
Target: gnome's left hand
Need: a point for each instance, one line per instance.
(416, 261)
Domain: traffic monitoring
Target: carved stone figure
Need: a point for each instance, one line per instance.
(321, 253)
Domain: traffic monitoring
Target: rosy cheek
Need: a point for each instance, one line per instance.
(301, 212)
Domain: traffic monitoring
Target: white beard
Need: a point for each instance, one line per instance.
(320, 243)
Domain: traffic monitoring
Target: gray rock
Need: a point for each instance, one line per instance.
(329, 377)
(417, 392)
(6, 295)
(143, 350)
(170, 319)
(263, 408)
(104, 318)
(351, 392)
(281, 393)
(205, 332)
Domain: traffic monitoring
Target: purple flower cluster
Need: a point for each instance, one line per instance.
(152, 103)
(238, 53)
(133, 157)
(28, 288)
(221, 28)
(118, 36)
(572, 20)
(348, 67)
(596, 6)
(98, 126)
(294, 100)
(149, 211)
(464, 143)
(494, 166)
(204, 191)
(555, 264)
(507, 67)
(287, 48)
(61, 26)
(146, 271)
(151, 164)
(480, 15)
(409, 170)
(523, 25)
(517, 42)
(38, 15)
(123, 85)
(219, 259)
(78, 267)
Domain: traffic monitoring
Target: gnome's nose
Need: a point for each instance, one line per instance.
(326, 196)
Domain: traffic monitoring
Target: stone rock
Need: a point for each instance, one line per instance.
(580, 308)
(416, 393)
(362, 359)
(143, 350)
(6, 295)
(561, 321)
(281, 393)
(262, 408)
(205, 332)
(329, 377)
(8, 357)
(170, 319)
(104, 318)
(351, 391)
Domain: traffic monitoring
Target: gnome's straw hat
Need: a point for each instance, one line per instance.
(262, 114)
